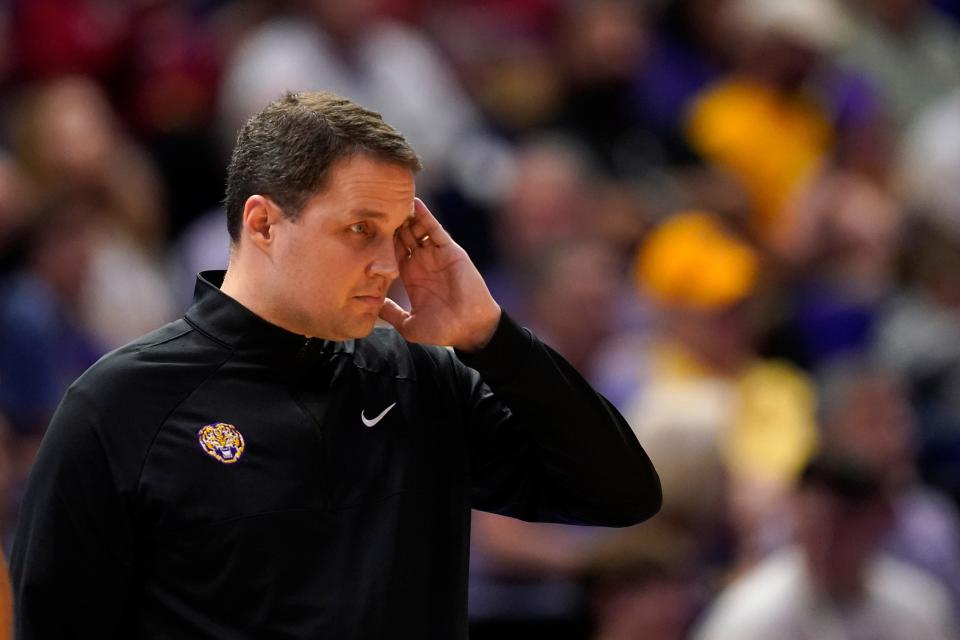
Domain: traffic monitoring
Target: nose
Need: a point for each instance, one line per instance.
(385, 263)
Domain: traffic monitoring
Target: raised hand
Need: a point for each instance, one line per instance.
(450, 304)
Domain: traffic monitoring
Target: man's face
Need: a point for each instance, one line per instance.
(334, 263)
(838, 538)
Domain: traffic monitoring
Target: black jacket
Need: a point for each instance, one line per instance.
(316, 525)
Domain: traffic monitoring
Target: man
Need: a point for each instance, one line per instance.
(271, 467)
(834, 582)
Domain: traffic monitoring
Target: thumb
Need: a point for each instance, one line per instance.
(393, 313)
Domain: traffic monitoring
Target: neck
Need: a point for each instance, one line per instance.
(241, 284)
(237, 285)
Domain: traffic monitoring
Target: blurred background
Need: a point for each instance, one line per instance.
(740, 219)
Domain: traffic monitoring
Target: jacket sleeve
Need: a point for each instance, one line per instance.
(72, 552)
(545, 446)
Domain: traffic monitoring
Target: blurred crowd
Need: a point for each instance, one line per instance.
(740, 219)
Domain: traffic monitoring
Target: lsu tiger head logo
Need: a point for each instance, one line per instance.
(222, 441)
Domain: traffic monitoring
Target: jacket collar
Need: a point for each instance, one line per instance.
(229, 322)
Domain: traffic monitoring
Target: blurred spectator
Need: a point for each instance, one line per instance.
(621, 213)
(931, 162)
(68, 141)
(834, 583)
(584, 275)
(840, 249)
(503, 52)
(46, 343)
(765, 122)
(172, 77)
(352, 49)
(866, 414)
(600, 46)
(127, 292)
(917, 338)
(693, 48)
(547, 204)
(638, 584)
(696, 392)
(846, 227)
(910, 51)
(73, 149)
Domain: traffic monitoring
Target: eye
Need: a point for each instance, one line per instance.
(360, 228)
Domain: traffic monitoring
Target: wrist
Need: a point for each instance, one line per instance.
(482, 332)
(504, 355)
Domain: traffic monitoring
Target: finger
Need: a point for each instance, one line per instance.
(404, 251)
(425, 224)
(408, 239)
(393, 313)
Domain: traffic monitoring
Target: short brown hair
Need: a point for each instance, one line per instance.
(285, 151)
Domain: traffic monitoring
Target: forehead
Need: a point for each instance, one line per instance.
(362, 184)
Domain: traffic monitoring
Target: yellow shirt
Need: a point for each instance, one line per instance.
(762, 421)
(771, 143)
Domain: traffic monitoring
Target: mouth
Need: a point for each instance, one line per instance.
(374, 302)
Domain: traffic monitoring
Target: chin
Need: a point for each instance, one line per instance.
(359, 329)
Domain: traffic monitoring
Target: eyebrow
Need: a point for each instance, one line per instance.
(368, 213)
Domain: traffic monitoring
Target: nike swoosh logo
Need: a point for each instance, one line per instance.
(372, 421)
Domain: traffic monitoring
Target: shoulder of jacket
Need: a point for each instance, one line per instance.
(164, 363)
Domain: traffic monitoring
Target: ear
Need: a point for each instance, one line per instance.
(260, 215)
